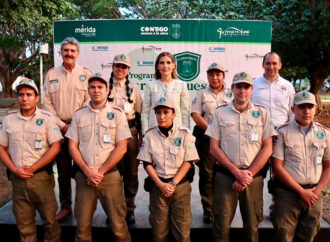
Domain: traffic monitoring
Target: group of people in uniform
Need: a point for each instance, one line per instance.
(106, 128)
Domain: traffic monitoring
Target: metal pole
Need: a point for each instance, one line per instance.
(41, 80)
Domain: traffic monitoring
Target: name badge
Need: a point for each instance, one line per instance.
(106, 138)
(254, 136)
(127, 107)
(38, 144)
(318, 160)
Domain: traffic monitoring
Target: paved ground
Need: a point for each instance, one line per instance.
(142, 210)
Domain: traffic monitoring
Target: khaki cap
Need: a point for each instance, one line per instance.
(122, 59)
(165, 103)
(216, 66)
(28, 83)
(243, 77)
(98, 76)
(304, 97)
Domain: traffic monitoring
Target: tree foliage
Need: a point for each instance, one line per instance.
(24, 24)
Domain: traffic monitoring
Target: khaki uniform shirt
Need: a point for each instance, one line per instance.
(98, 132)
(206, 101)
(28, 140)
(65, 92)
(241, 134)
(118, 93)
(303, 153)
(167, 154)
(175, 90)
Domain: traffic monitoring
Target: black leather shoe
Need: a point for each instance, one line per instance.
(130, 218)
(207, 217)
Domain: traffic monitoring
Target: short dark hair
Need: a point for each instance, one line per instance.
(216, 70)
(271, 53)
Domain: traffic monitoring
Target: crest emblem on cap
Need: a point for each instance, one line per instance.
(130, 90)
(82, 78)
(177, 141)
(214, 64)
(162, 100)
(98, 74)
(110, 116)
(123, 57)
(243, 75)
(319, 134)
(256, 114)
(305, 95)
(39, 121)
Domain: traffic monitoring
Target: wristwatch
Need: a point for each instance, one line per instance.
(172, 182)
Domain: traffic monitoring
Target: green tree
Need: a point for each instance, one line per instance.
(24, 24)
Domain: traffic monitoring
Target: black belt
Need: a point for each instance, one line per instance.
(131, 123)
(221, 169)
(67, 121)
(167, 180)
(278, 183)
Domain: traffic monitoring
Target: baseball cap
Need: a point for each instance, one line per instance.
(98, 76)
(216, 66)
(28, 83)
(122, 59)
(304, 97)
(243, 77)
(165, 103)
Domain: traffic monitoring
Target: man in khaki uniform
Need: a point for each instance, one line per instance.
(202, 110)
(302, 169)
(29, 141)
(241, 141)
(168, 152)
(65, 91)
(98, 138)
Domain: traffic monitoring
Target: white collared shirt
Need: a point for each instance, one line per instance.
(277, 96)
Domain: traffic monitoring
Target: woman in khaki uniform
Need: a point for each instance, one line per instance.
(202, 109)
(127, 96)
(168, 152)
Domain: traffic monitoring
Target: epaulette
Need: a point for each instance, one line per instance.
(222, 105)
(259, 105)
(184, 128)
(46, 112)
(80, 108)
(118, 108)
(12, 113)
(283, 125)
(149, 130)
(51, 68)
(87, 69)
(321, 125)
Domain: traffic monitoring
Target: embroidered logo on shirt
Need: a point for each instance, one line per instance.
(256, 114)
(53, 81)
(229, 94)
(177, 141)
(320, 134)
(110, 116)
(142, 146)
(39, 121)
(130, 90)
(194, 101)
(82, 78)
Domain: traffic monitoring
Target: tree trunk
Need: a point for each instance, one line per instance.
(318, 76)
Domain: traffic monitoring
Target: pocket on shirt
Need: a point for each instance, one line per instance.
(36, 134)
(108, 127)
(15, 134)
(254, 126)
(85, 131)
(54, 87)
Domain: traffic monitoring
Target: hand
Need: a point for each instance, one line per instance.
(64, 129)
(167, 189)
(308, 197)
(94, 177)
(23, 172)
(238, 187)
(244, 177)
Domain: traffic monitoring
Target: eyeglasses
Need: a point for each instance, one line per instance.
(122, 66)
